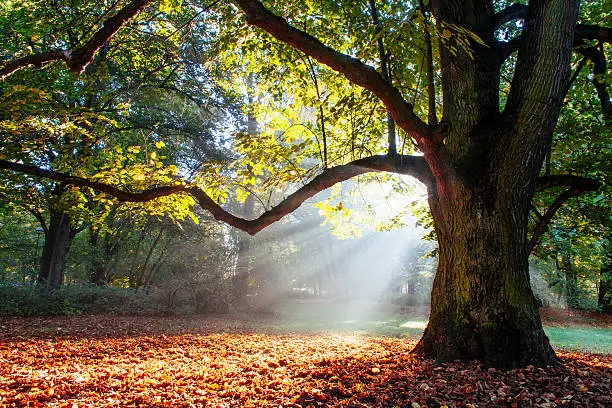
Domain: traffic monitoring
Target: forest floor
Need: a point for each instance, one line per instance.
(263, 361)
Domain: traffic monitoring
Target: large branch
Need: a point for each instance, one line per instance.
(121, 195)
(577, 186)
(408, 165)
(593, 32)
(567, 180)
(353, 69)
(583, 31)
(79, 58)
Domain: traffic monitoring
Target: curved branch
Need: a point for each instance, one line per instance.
(121, 195)
(352, 68)
(577, 186)
(542, 225)
(519, 11)
(78, 59)
(583, 31)
(408, 165)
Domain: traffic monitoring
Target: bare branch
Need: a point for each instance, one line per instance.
(519, 11)
(353, 69)
(78, 59)
(432, 118)
(121, 195)
(408, 165)
(508, 48)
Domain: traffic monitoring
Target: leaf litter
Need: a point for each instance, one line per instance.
(103, 361)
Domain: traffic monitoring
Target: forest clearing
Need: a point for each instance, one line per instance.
(308, 203)
(264, 361)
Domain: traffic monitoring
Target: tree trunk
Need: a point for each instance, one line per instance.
(571, 280)
(243, 266)
(604, 298)
(482, 306)
(55, 250)
(604, 292)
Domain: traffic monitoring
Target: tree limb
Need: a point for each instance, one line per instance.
(519, 11)
(352, 68)
(121, 195)
(432, 118)
(593, 32)
(408, 165)
(513, 12)
(542, 225)
(567, 180)
(577, 186)
(583, 31)
(598, 58)
(79, 58)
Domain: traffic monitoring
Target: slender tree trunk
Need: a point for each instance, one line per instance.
(571, 279)
(55, 250)
(604, 292)
(604, 295)
(243, 267)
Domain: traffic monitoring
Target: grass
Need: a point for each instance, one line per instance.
(367, 318)
(585, 339)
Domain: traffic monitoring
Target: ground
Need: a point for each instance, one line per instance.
(239, 361)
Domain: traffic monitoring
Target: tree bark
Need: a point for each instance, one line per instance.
(482, 306)
(55, 250)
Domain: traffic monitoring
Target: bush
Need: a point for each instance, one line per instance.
(25, 300)
(19, 300)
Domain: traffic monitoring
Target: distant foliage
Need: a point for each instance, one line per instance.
(19, 300)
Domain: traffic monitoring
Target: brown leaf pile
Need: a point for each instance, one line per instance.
(196, 362)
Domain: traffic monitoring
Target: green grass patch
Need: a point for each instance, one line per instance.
(584, 339)
(369, 319)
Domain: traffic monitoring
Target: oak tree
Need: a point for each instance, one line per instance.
(503, 71)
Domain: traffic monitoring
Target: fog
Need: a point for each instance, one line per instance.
(336, 269)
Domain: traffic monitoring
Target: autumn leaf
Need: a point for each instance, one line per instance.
(196, 361)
